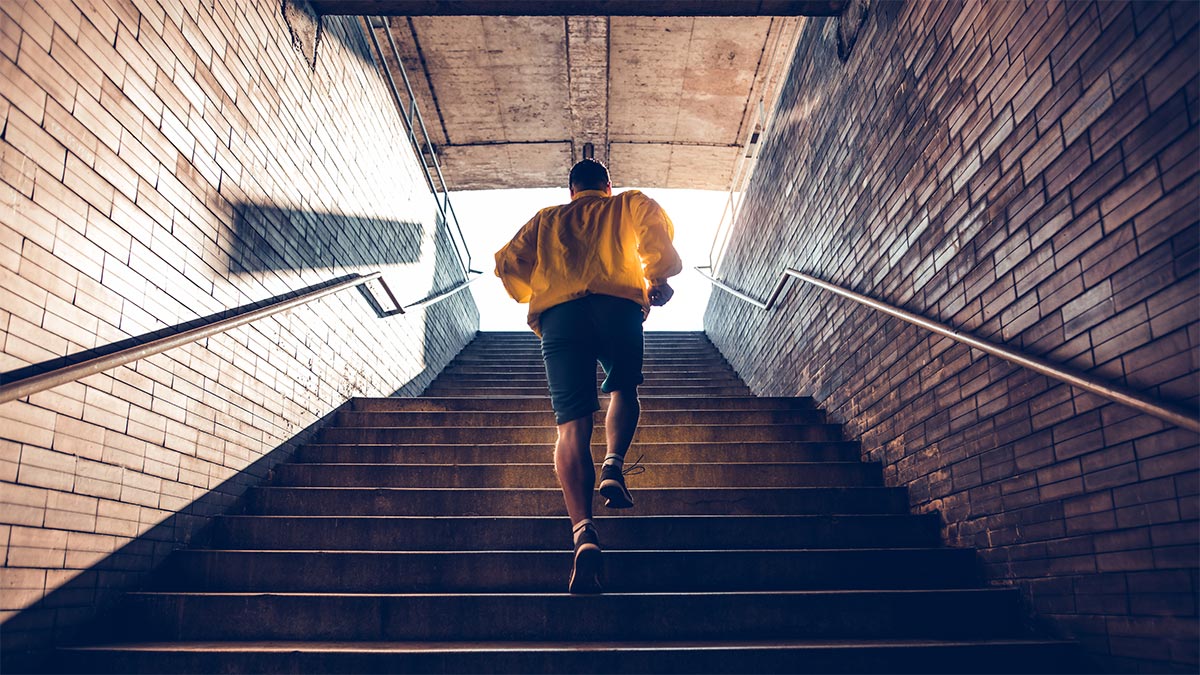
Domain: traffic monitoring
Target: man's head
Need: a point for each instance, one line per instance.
(590, 175)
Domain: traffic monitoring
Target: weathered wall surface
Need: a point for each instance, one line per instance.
(162, 162)
(1028, 172)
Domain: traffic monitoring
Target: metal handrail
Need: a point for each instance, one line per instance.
(1113, 392)
(413, 120)
(66, 374)
(445, 294)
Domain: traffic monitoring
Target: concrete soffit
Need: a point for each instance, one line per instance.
(666, 101)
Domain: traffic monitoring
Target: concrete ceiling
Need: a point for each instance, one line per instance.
(510, 101)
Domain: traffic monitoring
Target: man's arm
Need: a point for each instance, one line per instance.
(514, 262)
(660, 260)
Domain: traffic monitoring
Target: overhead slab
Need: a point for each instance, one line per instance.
(511, 101)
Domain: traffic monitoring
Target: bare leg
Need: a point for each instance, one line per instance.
(573, 463)
(619, 425)
(621, 421)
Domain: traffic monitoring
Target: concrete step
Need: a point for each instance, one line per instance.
(782, 451)
(699, 362)
(650, 390)
(542, 475)
(270, 500)
(232, 571)
(542, 403)
(674, 656)
(648, 351)
(504, 368)
(709, 433)
(545, 417)
(527, 533)
(649, 379)
(935, 614)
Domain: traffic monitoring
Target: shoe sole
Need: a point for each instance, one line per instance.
(617, 495)
(585, 576)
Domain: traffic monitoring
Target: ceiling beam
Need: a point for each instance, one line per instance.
(581, 7)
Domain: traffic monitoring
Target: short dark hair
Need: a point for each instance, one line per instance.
(589, 174)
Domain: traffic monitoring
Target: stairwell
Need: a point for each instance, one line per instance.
(428, 534)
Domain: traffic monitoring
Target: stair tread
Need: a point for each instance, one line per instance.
(524, 646)
(829, 571)
(602, 597)
(564, 551)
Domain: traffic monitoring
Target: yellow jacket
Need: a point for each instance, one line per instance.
(618, 245)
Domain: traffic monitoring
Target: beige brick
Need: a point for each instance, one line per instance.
(10, 457)
(96, 118)
(48, 459)
(98, 479)
(60, 279)
(45, 340)
(46, 280)
(25, 351)
(58, 83)
(17, 170)
(25, 423)
(26, 217)
(21, 495)
(77, 251)
(82, 559)
(193, 471)
(140, 488)
(46, 468)
(97, 33)
(16, 305)
(21, 587)
(79, 63)
(63, 501)
(117, 519)
(133, 395)
(71, 520)
(70, 321)
(122, 177)
(65, 399)
(21, 90)
(95, 192)
(121, 450)
(72, 134)
(99, 301)
(84, 541)
(106, 410)
(135, 55)
(10, 35)
(29, 547)
(66, 17)
(150, 516)
(25, 135)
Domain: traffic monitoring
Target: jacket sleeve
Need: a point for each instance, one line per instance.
(659, 258)
(514, 262)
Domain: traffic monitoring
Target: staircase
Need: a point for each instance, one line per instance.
(428, 534)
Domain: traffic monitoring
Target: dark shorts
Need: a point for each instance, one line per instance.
(577, 334)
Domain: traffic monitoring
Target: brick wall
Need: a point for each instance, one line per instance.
(1027, 172)
(158, 163)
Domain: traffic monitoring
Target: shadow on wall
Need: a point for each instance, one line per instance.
(71, 609)
(272, 238)
(269, 238)
(444, 315)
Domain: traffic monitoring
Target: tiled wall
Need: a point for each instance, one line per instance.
(161, 162)
(1027, 172)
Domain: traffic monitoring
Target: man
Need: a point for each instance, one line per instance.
(590, 270)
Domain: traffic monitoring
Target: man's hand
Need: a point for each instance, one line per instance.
(660, 294)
